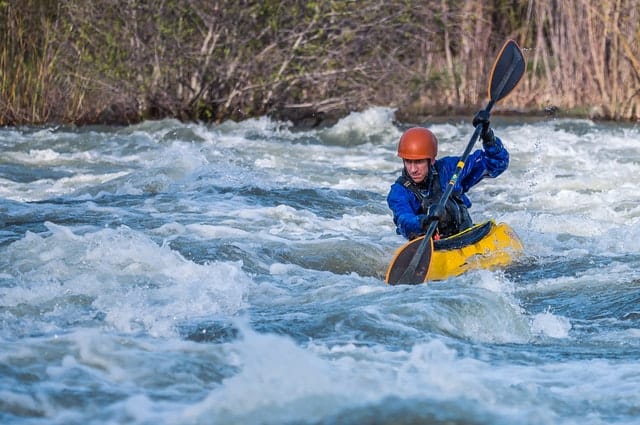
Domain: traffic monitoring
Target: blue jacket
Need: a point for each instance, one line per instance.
(488, 162)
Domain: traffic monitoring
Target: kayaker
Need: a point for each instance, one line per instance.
(415, 195)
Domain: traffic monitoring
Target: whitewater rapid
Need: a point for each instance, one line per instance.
(187, 274)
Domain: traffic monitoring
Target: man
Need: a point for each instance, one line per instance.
(415, 195)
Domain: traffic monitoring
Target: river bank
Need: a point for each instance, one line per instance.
(94, 62)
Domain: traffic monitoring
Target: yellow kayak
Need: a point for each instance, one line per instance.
(483, 246)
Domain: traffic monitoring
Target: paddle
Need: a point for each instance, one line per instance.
(505, 75)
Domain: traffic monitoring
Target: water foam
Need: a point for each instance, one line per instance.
(125, 277)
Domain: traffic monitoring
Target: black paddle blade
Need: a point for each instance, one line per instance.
(399, 265)
(507, 71)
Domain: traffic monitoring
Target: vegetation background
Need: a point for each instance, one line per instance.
(122, 61)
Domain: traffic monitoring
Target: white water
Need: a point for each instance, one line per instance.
(174, 273)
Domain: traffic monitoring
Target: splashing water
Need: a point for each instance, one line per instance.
(183, 273)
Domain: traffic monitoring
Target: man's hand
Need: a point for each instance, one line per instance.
(435, 212)
(486, 134)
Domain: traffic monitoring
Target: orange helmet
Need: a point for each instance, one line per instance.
(418, 143)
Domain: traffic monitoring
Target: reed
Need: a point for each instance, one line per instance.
(585, 55)
(32, 89)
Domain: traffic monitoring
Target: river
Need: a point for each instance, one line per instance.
(171, 273)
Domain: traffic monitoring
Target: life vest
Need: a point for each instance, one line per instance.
(456, 217)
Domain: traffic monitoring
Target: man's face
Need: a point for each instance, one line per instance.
(418, 169)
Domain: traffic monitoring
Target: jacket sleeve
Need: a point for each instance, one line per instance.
(496, 158)
(489, 162)
(405, 208)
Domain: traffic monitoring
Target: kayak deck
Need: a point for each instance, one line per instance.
(483, 246)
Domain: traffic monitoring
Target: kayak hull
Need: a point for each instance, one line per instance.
(483, 246)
